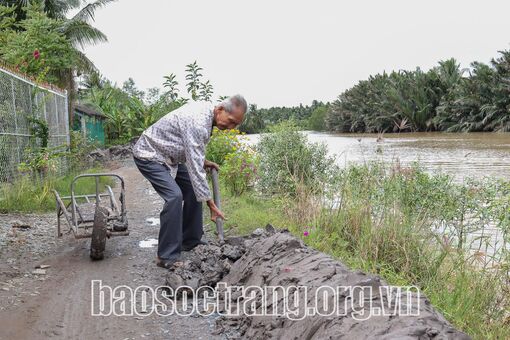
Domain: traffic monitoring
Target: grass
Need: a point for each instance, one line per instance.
(385, 223)
(29, 195)
(248, 212)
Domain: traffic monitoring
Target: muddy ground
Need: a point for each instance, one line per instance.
(57, 304)
(55, 301)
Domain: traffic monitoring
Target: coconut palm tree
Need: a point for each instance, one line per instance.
(79, 31)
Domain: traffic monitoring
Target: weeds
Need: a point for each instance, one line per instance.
(30, 195)
(416, 229)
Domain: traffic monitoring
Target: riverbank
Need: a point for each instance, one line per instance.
(387, 224)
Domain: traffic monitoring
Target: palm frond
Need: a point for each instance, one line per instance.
(87, 13)
(58, 9)
(81, 33)
(84, 64)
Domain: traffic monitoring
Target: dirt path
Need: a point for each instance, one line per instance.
(58, 304)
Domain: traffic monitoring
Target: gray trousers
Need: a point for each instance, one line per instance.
(180, 224)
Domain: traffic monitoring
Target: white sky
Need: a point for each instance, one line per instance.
(284, 52)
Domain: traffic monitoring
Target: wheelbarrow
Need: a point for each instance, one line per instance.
(97, 216)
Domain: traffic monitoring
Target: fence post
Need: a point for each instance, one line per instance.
(66, 110)
(44, 107)
(15, 118)
(30, 99)
(56, 114)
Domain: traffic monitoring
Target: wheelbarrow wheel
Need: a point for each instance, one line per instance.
(98, 242)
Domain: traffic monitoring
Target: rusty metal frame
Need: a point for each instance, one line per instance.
(75, 219)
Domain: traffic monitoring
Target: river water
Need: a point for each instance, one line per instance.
(460, 154)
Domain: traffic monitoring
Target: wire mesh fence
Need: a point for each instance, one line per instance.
(20, 101)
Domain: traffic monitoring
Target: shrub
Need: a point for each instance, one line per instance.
(239, 170)
(79, 149)
(222, 143)
(40, 160)
(287, 158)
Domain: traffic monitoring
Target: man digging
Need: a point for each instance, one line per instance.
(171, 155)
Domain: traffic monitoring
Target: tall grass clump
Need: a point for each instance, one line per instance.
(418, 229)
(29, 195)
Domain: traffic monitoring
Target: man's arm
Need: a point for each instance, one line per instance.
(215, 212)
(194, 149)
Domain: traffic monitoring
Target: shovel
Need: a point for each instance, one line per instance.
(216, 194)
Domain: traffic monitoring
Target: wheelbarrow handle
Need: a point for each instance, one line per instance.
(216, 194)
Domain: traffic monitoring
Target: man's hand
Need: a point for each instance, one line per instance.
(215, 212)
(211, 165)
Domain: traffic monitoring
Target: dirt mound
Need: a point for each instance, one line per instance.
(276, 258)
(206, 265)
(116, 152)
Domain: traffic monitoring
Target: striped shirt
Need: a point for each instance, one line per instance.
(181, 137)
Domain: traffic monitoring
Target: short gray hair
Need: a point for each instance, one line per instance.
(235, 101)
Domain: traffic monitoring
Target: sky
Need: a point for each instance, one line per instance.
(283, 53)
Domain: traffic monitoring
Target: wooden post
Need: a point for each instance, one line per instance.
(216, 194)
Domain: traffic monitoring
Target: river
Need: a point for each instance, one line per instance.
(461, 155)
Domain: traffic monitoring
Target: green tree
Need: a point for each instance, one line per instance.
(77, 29)
(317, 120)
(35, 45)
(398, 101)
(253, 121)
(128, 110)
(130, 88)
(480, 102)
(206, 91)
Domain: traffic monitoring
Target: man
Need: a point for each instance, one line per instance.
(171, 155)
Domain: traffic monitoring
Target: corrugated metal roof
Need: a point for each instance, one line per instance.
(88, 111)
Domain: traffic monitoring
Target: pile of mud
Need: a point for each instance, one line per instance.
(113, 153)
(276, 258)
